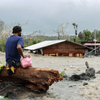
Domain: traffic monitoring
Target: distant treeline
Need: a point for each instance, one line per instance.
(84, 36)
(30, 40)
(38, 36)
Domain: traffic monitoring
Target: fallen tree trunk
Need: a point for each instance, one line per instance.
(34, 78)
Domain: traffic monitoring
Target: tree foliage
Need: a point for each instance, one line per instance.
(87, 35)
(75, 27)
(80, 35)
(34, 42)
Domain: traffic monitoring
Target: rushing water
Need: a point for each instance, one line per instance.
(68, 90)
(73, 90)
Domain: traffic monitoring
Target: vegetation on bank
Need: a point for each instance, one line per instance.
(62, 74)
(2, 45)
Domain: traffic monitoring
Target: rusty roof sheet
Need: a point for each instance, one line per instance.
(91, 44)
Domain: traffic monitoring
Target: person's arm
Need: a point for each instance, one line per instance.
(19, 48)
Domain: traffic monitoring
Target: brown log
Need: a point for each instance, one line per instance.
(34, 78)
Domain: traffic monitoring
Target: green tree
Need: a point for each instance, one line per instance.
(38, 41)
(87, 35)
(80, 35)
(34, 42)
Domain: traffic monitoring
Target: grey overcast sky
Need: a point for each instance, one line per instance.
(46, 15)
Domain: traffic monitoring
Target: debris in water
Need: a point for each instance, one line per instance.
(85, 84)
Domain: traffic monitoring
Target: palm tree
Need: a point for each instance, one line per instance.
(75, 27)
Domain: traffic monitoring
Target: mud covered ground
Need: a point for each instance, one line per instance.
(62, 90)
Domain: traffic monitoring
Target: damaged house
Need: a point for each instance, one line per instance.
(59, 48)
(93, 45)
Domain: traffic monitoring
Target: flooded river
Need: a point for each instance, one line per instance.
(68, 90)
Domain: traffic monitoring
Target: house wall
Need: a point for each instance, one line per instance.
(64, 49)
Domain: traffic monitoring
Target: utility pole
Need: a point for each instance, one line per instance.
(95, 38)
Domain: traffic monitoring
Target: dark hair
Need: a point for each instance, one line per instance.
(16, 29)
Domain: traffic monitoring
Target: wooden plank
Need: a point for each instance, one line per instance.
(81, 55)
(52, 51)
(59, 54)
(52, 54)
(70, 54)
(77, 55)
(65, 54)
(56, 54)
(46, 54)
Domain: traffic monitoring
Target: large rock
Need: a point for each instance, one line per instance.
(90, 72)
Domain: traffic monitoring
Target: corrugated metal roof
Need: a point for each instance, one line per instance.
(48, 43)
(43, 44)
(91, 44)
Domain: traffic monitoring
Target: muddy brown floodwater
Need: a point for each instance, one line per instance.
(67, 90)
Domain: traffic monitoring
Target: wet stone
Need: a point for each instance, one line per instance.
(96, 88)
(85, 77)
(65, 76)
(30, 98)
(75, 77)
(11, 95)
(72, 85)
(37, 98)
(94, 76)
(90, 72)
(3, 99)
(98, 72)
(85, 84)
(2, 85)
